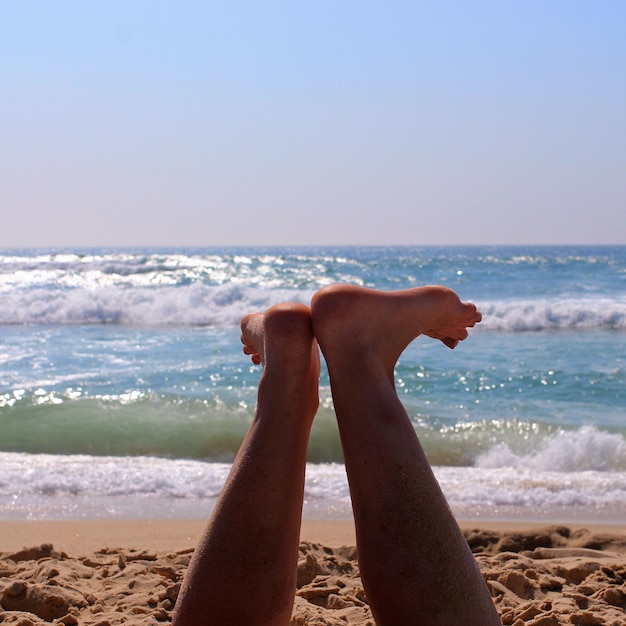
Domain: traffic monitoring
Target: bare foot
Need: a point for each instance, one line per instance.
(252, 337)
(381, 324)
(281, 339)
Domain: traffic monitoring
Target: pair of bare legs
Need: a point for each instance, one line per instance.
(415, 565)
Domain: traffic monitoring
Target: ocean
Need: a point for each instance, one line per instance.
(124, 392)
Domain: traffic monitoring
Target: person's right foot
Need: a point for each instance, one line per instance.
(281, 339)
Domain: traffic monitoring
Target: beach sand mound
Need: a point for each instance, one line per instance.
(546, 577)
(553, 576)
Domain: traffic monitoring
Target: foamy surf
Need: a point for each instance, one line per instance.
(84, 487)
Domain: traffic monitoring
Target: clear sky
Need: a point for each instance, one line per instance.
(145, 122)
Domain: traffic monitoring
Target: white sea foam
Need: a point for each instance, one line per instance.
(556, 313)
(223, 305)
(69, 486)
(211, 287)
(514, 493)
(191, 305)
(56, 486)
(585, 449)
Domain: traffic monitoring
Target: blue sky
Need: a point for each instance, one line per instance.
(198, 123)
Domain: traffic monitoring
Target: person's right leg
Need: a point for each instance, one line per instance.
(243, 572)
(415, 564)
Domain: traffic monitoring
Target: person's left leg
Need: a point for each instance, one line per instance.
(244, 570)
(415, 564)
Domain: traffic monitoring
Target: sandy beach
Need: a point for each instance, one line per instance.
(110, 572)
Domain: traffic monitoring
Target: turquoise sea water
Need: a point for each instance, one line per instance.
(124, 392)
